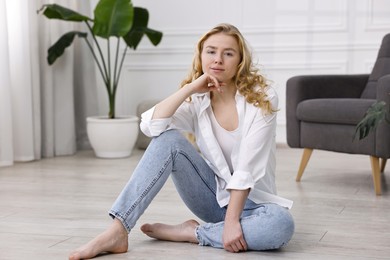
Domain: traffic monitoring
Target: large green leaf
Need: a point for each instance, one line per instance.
(154, 36)
(54, 11)
(113, 18)
(373, 116)
(139, 28)
(58, 48)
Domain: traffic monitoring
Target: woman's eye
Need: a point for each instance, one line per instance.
(229, 54)
(210, 52)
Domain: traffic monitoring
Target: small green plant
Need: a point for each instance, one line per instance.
(375, 114)
(112, 19)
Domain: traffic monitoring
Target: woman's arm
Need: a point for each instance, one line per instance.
(168, 106)
(233, 238)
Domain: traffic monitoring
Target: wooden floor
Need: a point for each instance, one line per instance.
(51, 206)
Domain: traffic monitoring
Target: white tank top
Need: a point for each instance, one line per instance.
(225, 138)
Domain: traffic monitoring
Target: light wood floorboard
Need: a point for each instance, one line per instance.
(51, 206)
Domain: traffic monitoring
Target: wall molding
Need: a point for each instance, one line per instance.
(263, 48)
(318, 47)
(156, 66)
(258, 30)
(340, 65)
(284, 24)
(371, 24)
(319, 28)
(342, 26)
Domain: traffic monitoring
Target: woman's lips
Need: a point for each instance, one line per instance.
(217, 70)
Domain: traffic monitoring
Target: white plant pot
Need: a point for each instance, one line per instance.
(112, 138)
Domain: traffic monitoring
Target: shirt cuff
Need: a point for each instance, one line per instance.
(153, 127)
(241, 180)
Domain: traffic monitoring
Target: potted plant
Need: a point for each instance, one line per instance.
(112, 19)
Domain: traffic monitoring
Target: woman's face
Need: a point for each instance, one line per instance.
(220, 57)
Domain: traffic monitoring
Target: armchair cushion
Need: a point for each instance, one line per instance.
(347, 111)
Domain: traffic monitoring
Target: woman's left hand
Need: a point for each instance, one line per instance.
(233, 238)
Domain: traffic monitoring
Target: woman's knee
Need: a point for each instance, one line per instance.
(285, 229)
(272, 229)
(283, 226)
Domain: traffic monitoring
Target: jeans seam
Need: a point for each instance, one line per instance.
(197, 170)
(146, 191)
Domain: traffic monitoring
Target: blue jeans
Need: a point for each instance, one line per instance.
(265, 226)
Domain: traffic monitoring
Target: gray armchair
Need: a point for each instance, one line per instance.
(323, 110)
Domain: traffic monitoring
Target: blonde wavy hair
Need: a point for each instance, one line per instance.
(250, 83)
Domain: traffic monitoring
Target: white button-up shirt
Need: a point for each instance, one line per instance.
(253, 156)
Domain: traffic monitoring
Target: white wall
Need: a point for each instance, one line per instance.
(289, 37)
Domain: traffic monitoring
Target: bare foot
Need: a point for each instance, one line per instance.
(113, 240)
(184, 232)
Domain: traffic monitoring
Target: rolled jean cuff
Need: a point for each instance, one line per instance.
(198, 237)
(115, 215)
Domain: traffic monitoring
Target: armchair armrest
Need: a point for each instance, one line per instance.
(304, 87)
(383, 130)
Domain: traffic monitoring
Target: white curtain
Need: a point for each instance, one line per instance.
(42, 107)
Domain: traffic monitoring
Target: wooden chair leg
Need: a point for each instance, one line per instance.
(305, 159)
(383, 164)
(376, 175)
